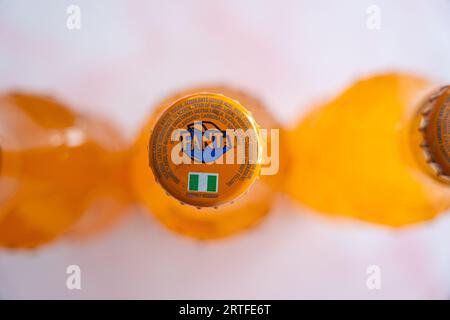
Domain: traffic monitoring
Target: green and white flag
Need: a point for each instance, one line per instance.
(203, 182)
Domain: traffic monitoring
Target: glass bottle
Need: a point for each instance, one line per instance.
(379, 152)
(56, 166)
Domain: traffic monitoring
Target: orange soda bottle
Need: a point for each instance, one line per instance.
(55, 166)
(202, 183)
(379, 152)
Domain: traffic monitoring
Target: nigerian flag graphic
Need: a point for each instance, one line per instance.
(203, 182)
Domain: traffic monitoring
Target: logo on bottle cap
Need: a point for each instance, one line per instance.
(205, 150)
(435, 128)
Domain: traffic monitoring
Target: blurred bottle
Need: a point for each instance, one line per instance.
(189, 184)
(55, 167)
(379, 152)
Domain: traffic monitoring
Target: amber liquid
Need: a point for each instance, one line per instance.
(55, 167)
(205, 223)
(359, 155)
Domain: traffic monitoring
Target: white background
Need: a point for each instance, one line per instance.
(130, 54)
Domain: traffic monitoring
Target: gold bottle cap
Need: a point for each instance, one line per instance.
(435, 128)
(204, 150)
